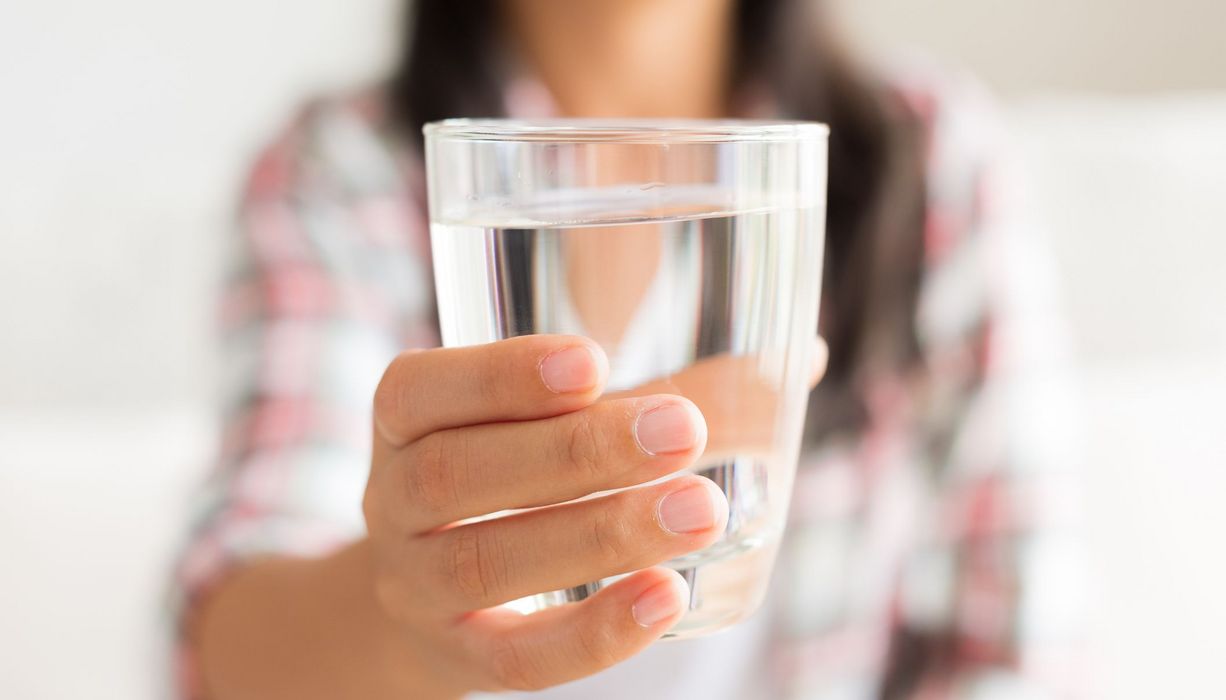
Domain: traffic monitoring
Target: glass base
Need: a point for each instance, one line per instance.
(727, 584)
(723, 589)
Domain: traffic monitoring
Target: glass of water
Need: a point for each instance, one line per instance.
(691, 251)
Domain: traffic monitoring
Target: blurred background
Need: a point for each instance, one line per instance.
(126, 125)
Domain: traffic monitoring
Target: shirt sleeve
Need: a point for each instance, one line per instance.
(327, 280)
(988, 603)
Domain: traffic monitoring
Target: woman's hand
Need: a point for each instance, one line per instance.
(465, 432)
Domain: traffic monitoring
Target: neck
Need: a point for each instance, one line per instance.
(628, 58)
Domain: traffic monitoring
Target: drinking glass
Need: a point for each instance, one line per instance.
(691, 251)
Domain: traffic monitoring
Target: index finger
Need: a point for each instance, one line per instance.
(533, 376)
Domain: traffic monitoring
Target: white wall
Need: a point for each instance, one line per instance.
(1026, 46)
(1129, 193)
(125, 125)
(124, 129)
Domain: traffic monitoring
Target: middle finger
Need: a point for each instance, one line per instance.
(459, 473)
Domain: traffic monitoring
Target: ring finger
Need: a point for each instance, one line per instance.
(480, 565)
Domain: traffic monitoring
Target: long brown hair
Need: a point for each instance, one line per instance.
(451, 67)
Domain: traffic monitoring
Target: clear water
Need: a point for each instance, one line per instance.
(718, 307)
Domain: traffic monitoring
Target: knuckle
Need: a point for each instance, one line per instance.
(464, 567)
(398, 585)
(609, 536)
(430, 484)
(371, 513)
(392, 591)
(391, 401)
(477, 565)
(515, 669)
(598, 645)
(491, 376)
(584, 444)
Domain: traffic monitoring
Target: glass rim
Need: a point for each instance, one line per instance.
(636, 130)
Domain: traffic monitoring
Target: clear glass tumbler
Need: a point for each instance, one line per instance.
(691, 251)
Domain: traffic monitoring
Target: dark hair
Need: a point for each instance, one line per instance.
(450, 67)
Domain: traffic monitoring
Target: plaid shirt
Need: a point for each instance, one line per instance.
(924, 555)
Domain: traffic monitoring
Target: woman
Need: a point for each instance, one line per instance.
(903, 573)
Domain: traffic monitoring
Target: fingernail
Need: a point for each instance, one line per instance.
(570, 369)
(657, 603)
(664, 429)
(691, 509)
